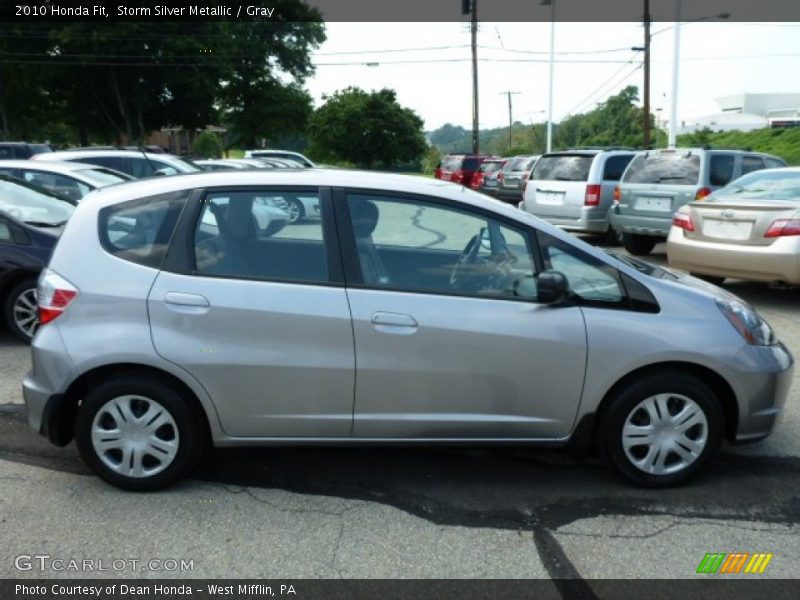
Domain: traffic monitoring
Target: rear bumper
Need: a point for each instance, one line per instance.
(510, 196)
(635, 224)
(581, 224)
(780, 261)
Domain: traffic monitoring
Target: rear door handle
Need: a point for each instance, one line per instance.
(386, 321)
(187, 303)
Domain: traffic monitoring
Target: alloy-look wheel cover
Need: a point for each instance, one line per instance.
(26, 312)
(135, 436)
(665, 434)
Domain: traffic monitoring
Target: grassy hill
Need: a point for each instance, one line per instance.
(784, 143)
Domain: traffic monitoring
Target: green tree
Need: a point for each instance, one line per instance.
(368, 129)
(207, 145)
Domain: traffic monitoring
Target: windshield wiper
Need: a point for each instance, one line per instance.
(670, 178)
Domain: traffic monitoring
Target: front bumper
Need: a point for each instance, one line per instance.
(765, 372)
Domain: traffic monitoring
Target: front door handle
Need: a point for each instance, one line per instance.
(390, 321)
(187, 303)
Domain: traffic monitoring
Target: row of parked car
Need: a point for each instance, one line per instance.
(724, 213)
(39, 189)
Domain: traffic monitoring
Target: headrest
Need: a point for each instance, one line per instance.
(364, 215)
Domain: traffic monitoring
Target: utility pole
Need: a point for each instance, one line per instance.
(474, 33)
(646, 127)
(510, 120)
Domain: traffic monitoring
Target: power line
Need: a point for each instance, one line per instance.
(605, 87)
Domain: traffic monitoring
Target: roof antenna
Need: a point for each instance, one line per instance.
(147, 158)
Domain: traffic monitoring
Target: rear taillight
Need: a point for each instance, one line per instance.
(53, 295)
(783, 227)
(500, 177)
(702, 193)
(457, 176)
(617, 194)
(525, 176)
(592, 197)
(683, 221)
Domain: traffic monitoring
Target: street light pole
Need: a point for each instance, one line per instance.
(646, 108)
(676, 57)
(475, 120)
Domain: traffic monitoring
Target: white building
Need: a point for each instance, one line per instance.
(745, 112)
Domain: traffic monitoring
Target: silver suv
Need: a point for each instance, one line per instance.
(413, 311)
(574, 189)
(659, 182)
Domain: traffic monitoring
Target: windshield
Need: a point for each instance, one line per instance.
(33, 206)
(185, 165)
(102, 177)
(671, 168)
(781, 186)
(563, 167)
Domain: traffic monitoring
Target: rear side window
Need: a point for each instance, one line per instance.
(668, 168)
(140, 230)
(563, 167)
(720, 171)
(615, 166)
(118, 163)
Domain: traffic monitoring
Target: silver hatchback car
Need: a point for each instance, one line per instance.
(413, 311)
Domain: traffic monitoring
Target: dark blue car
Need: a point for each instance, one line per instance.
(31, 220)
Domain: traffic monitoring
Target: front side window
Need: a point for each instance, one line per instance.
(420, 246)
(5, 232)
(590, 279)
(249, 235)
(140, 230)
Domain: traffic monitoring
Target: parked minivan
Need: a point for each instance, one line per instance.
(512, 178)
(412, 312)
(659, 182)
(574, 189)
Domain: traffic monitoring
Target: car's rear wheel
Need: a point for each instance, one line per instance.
(22, 310)
(661, 428)
(638, 245)
(138, 433)
(295, 210)
(612, 238)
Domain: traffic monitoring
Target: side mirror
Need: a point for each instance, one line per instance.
(552, 287)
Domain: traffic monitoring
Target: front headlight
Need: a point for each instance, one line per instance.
(746, 321)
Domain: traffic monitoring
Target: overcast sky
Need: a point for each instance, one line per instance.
(718, 59)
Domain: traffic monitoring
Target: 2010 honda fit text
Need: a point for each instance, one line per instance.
(414, 310)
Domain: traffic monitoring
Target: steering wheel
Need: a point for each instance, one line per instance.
(469, 256)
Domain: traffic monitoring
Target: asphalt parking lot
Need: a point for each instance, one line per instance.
(408, 512)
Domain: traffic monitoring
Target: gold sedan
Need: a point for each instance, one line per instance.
(749, 229)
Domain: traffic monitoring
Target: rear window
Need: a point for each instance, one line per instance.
(563, 167)
(669, 168)
(490, 167)
(763, 185)
(140, 230)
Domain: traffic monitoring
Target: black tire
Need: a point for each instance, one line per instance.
(709, 278)
(19, 290)
(615, 414)
(191, 430)
(612, 238)
(638, 245)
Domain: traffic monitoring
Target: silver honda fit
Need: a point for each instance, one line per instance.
(178, 313)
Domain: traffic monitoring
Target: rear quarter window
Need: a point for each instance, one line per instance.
(667, 168)
(615, 166)
(565, 167)
(140, 230)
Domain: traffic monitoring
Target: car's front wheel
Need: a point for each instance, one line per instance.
(22, 310)
(138, 433)
(661, 428)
